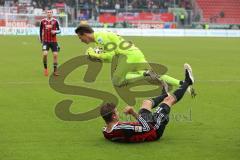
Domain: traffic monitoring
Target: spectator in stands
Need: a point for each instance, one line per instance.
(2, 2)
(134, 4)
(222, 14)
(111, 4)
(90, 9)
(206, 26)
(95, 12)
(149, 4)
(62, 14)
(197, 17)
(117, 5)
(182, 19)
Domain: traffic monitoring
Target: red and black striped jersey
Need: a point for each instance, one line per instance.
(139, 131)
(47, 27)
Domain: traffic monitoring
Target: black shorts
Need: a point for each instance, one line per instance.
(52, 45)
(146, 115)
(158, 119)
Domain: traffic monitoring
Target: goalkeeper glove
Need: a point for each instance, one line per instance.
(92, 54)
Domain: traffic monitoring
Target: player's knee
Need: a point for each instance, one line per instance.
(55, 54)
(169, 100)
(147, 104)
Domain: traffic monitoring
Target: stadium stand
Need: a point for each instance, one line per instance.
(200, 12)
(148, 12)
(220, 11)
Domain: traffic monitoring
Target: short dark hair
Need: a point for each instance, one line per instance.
(83, 29)
(106, 111)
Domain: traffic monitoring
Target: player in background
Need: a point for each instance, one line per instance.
(123, 74)
(49, 28)
(149, 126)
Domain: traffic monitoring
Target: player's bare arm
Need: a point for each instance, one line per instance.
(129, 110)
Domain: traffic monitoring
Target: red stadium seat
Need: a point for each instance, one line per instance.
(212, 8)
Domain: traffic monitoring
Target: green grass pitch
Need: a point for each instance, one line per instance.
(207, 127)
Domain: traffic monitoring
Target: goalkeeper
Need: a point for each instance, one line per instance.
(109, 44)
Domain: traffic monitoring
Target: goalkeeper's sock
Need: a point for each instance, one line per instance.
(132, 77)
(171, 80)
(178, 94)
(45, 62)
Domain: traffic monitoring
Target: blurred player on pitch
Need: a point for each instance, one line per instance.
(49, 28)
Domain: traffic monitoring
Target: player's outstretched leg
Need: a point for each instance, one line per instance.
(189, 79)
(166, 78)
(161, 115)
(171, 80)
(190, 88)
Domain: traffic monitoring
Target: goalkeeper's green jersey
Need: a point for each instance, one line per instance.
(113, 44)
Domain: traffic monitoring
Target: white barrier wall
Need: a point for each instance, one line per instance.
(134, 32)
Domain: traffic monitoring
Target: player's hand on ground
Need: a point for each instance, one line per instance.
(129, 110)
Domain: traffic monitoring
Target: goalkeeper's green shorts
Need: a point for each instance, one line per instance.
(134, 62)
(134, 56)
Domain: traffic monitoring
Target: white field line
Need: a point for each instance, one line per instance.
(103, 82)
